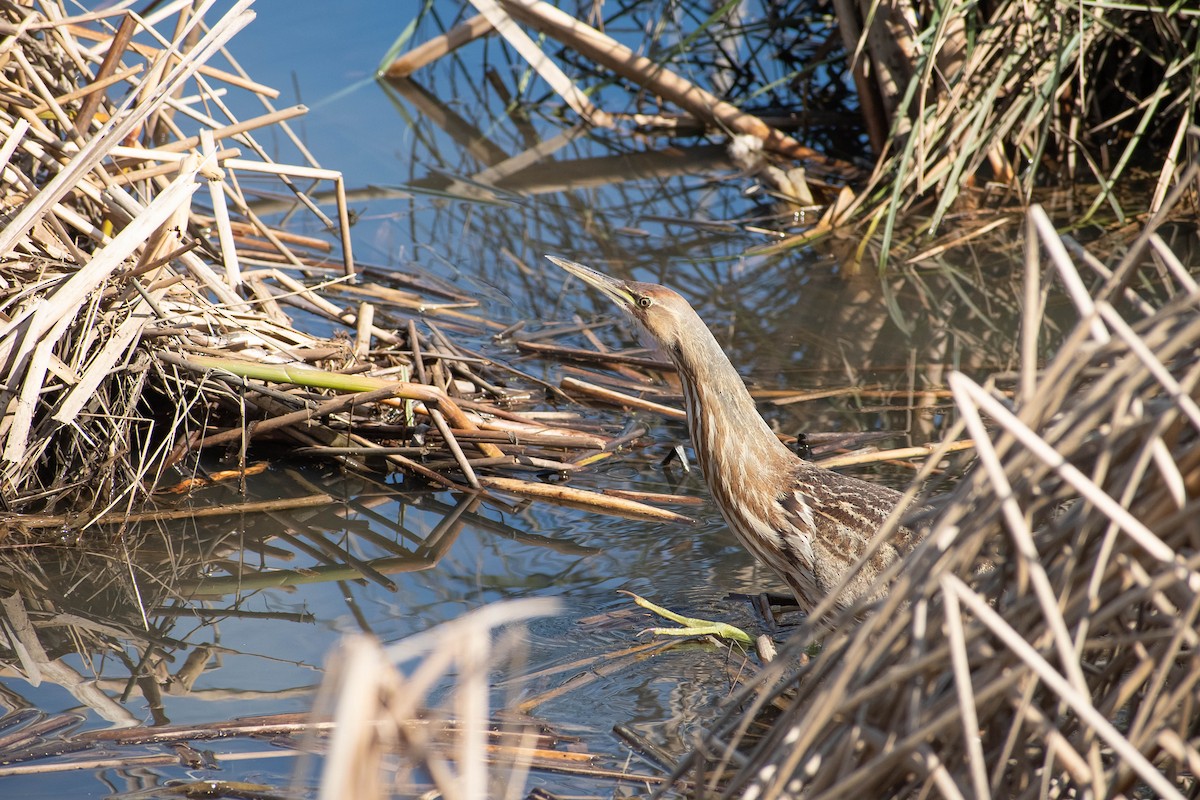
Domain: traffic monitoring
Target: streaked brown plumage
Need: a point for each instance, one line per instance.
(808, 524)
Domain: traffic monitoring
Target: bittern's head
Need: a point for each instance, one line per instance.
(661, 312)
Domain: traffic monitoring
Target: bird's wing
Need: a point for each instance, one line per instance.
(827, 522)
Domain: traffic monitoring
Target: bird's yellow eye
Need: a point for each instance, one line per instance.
(644, 302)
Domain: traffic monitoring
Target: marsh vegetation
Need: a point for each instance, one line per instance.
(272, 374)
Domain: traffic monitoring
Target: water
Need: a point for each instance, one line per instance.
(645, 208)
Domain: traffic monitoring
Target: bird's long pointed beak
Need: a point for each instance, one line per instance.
(612, 287)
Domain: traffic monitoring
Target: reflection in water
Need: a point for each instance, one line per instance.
(178, 621)
(191, 623)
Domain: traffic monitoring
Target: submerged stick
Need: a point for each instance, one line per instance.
(438, 46)
(601, 502)
(41, 521)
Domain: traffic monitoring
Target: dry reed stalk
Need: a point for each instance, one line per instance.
(621, 399)
(611, 504)
(1040, 641)
(465, 32)
(592, 356)
(542, 64)
(932, 451)
(377, 709)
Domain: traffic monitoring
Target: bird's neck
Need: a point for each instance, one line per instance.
(731, 440)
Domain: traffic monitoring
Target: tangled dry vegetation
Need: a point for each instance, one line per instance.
(150, 312)
(1043, 641)
(970, 109)
(999, 98)
(104, 258)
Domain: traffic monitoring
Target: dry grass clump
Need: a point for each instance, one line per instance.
(101, 244)
(148, 311)
(1043, 641)
(992, 100)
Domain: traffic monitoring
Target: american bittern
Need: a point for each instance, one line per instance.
(807, 523)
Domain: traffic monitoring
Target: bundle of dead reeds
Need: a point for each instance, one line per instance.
(101, 245)
(141, 324)
(974, 102)
(1043, 642)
